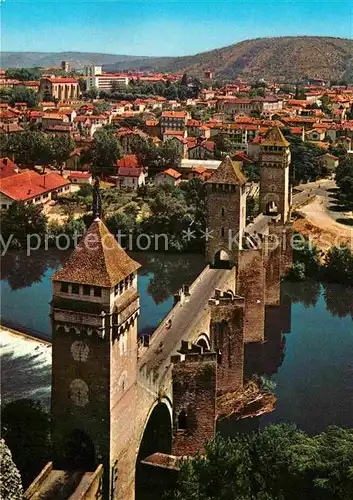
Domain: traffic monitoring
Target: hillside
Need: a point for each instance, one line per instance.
(281, 59)
(47, 59)
(285, 58)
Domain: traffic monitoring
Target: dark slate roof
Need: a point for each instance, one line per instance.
(98, 260)
(228, 173)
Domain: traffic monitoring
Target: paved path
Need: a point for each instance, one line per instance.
(184, 316)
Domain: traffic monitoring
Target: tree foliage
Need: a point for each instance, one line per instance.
(338, 265)
(25, 427)
(106, 150)
(344, 180)
(10, 478)
(281, 463)
(21, 220)
(36, 148)
(24, 74)
(306, 163)
(22, 94)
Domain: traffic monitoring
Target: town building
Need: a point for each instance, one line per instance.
(96, 79)
(129, 173)
(65, 66)
(331, 161)
(31, 187)
(275, 192)
(169, 176)
(80, 178)
(64, 89)
(173, 120)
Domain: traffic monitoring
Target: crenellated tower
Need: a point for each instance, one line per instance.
(275, 189)
(94, 314)
(226, 213)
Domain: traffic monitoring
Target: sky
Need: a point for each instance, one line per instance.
(163, 28)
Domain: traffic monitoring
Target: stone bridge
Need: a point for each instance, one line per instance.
(116, 401)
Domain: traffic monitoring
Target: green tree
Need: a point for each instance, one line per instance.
(344, 180)
(82, 84)
(30, 148)
(306, 162)
(106, 150)
(25, 427)
(338, 266)
(306, 258)
(24, 74)
(101, 107)
(61, 146)
(171, 92)
(169, 155)
(10, 478)
(21, 220)
(23, 94)
(281, 463)
(92, 93)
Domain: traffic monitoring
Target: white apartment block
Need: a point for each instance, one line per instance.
(95, 78)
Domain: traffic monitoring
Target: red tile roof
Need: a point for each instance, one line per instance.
(80, 175)
(28, 185)
(62, 80)
(172, 173)
(7, 168)
(174, 114)
(129, 161)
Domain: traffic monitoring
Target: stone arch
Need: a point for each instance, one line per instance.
(271, 203)
(204, 341)
(156, 436)
(222, 259)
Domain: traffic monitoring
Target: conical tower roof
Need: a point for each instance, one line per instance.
(98, 260)
(274, 137)
(228, 173)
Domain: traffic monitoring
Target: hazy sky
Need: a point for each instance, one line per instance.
(154, 27)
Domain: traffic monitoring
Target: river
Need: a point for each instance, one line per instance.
(309, 352)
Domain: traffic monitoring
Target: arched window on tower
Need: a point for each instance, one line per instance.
(182, 420)
(223, 212)
(222, 232)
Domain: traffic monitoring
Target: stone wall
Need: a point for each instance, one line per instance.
(194, 405)
(226, 211)
(251, 286)
(227, 339)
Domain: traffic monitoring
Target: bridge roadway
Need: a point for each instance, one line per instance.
(185, 317)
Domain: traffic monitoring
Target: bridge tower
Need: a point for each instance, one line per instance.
(226, 214)
(94, 315)
(275, 190)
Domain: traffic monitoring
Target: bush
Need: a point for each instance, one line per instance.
(10, 479)
(281, 463)
(25, 427)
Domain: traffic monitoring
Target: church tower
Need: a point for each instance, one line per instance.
(226, 213)
(94, 315)
(275, 190)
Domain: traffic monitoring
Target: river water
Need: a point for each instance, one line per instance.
(309, 348)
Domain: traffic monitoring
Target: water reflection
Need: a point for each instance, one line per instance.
(312, 365)
(168, 272)
(22, 271)
(26, 286)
